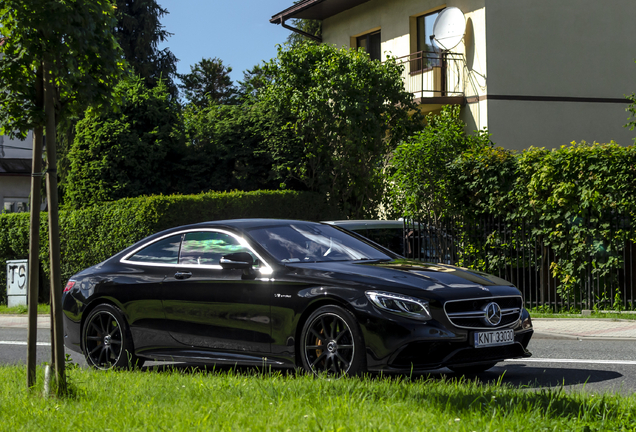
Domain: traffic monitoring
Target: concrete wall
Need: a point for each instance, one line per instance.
(554, 50)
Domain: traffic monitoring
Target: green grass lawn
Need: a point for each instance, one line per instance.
(22, 310)
(249, 401)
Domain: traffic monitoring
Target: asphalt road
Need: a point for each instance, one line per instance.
(590, 365)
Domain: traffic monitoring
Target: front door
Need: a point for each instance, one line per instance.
(209, 307)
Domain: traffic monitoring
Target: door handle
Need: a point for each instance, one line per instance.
(182, 275)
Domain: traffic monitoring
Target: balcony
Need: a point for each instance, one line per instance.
(435, 78)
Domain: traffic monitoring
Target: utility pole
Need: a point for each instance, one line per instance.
(57, 343)
(34, 237)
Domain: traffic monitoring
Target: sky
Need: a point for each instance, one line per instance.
(236, 31)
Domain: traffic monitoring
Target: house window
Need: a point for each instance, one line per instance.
(370, 43)
(425, 31)
(426, 57)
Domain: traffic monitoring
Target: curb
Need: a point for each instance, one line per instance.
(562, 336)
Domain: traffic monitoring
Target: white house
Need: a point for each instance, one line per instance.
(15, 173)
(537, 73)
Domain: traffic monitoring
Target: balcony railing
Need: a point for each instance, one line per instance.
(434, 74)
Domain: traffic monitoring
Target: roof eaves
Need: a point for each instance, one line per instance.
(296, 8)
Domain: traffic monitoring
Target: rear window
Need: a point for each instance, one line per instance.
(165, 251)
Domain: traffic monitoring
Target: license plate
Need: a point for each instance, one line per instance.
(499, 337)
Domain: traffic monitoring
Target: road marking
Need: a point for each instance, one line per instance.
(549, 360)
(23, 343)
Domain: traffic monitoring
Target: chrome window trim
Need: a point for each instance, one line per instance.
(509, 311)
(265, 269)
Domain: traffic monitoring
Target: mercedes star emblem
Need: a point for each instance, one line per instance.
(492, 314)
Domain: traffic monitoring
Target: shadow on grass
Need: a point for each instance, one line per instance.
(514, 375)
(490, 392)
(522, 376)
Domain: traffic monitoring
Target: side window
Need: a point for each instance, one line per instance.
(164, 251)
(207, 248)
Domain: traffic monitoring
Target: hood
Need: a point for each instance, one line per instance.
(449, 282)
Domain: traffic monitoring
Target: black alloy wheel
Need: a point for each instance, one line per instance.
(106, 340)
(472, 369)
(331, 343)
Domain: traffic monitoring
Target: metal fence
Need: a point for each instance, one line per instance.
(512, 252)
(434, 74)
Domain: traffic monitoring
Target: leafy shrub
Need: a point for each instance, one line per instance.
(343, 113)
(133, 149)
(577, 201)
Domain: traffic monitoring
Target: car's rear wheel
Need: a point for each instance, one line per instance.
(472, 369)
(332, 344)
(106, 340)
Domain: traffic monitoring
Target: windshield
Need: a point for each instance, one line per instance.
(306, 242)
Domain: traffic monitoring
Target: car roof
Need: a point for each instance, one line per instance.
(249, 222)
(367, 224)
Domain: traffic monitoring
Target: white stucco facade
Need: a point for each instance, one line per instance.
(536, 72)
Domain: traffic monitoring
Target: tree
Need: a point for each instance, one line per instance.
(313, 27)
(58, 57)
(85, 60)
(225, 148)
(139, 32)
(208, 81)
(420, 180)
(133, 149)
(342, 114)
(254, 80)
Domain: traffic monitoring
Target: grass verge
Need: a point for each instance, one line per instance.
(251, 401)
(23, 310)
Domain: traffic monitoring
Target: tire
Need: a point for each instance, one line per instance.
(107, 341)
(473, 369)
(331, 343)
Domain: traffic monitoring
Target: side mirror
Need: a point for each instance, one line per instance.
(236, 261)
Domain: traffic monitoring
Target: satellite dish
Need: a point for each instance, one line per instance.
(449, 28)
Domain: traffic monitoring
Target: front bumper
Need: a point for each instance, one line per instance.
(402, 345)
(427, 355)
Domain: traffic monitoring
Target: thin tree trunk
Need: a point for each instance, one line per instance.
(34, 238)
(54, 234)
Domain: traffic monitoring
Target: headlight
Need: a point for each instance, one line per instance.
(401, 305)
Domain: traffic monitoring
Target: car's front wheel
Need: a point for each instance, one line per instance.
(332, 343)
(106, 339)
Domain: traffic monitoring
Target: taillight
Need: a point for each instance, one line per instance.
(69, 286)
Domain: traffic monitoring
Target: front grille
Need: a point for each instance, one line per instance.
(472, 313)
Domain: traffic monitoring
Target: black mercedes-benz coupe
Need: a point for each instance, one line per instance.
(290, 294)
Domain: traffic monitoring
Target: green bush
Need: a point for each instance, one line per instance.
(134, 149)
(580, 201)
(89, 236)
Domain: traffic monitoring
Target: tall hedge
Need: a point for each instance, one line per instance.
(90, 235)
(580, 200)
